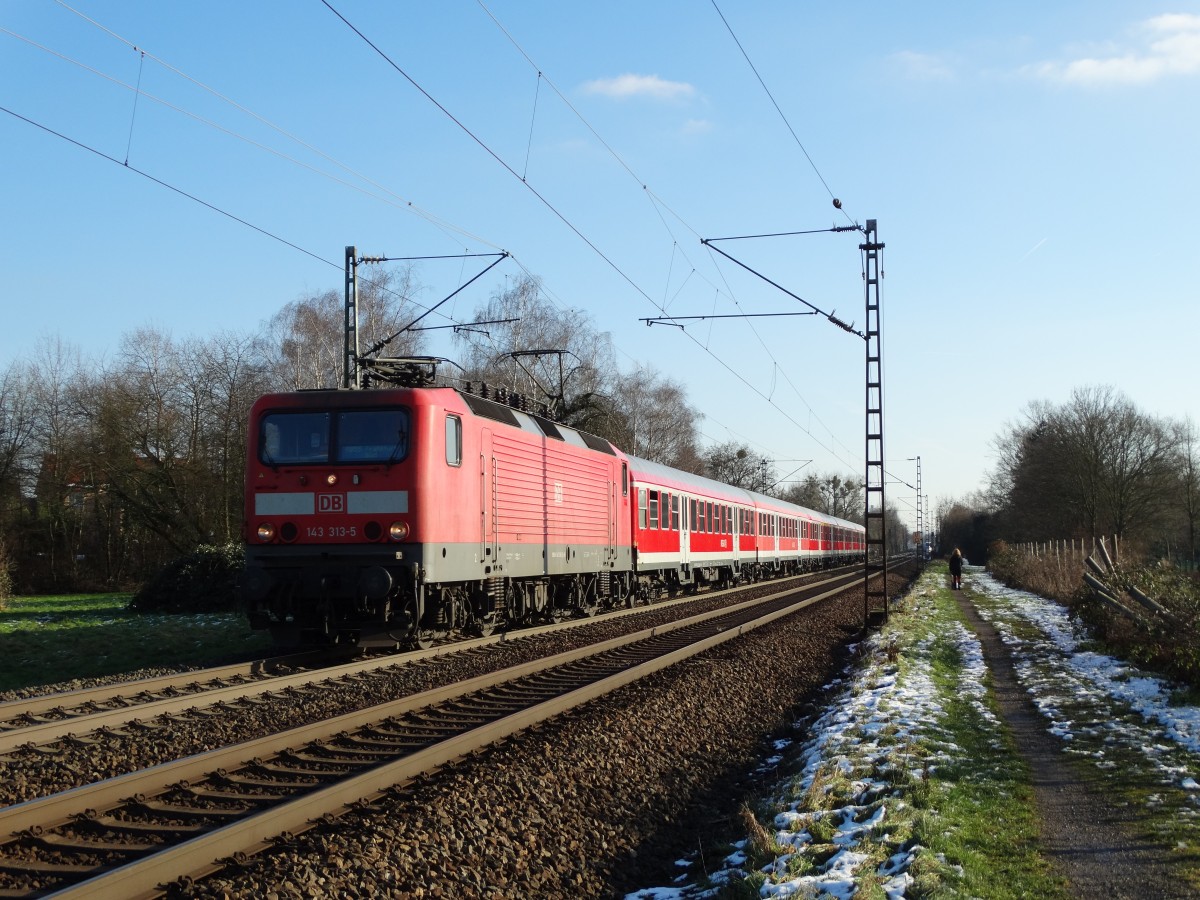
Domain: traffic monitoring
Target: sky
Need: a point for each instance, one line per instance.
(1104, 711)
(195, 166)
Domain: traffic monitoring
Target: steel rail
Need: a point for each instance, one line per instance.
(107, 693)
(141, 876)
(49, 731)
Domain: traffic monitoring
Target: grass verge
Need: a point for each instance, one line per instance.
(910, 783)
(53, 640)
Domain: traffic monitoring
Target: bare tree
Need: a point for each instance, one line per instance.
(658, 422)
(1189, 482)
(834, 495)
(558, 357)
(304, 343)
(736, 464)
(233, 378)
(1094, 466)
(533, 347)
(17, 430)
(58, 532)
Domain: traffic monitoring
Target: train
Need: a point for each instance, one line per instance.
(400, 515)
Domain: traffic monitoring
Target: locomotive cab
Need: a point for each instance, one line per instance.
(333, 501)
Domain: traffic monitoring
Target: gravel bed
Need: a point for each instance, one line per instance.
(28, 774)
(589, 805)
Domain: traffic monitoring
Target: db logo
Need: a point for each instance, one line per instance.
(331, 503)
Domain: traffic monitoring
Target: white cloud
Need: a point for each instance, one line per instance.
(922, 66)
(1165, 45)
(629, 85)
(697, 126)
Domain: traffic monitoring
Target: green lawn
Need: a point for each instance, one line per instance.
(45, 640)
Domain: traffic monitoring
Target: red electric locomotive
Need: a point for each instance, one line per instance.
(399, 515)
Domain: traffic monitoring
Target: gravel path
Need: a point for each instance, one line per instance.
(1091, 842)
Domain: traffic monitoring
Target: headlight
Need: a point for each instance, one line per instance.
(398, 531)
(266, 531)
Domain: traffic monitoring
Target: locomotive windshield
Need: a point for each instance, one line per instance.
(346, 436)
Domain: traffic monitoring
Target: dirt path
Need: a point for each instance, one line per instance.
(1090, 842)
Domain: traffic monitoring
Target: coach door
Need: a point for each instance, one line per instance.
(735, 526)
(487, 500)
(687, 511)
(610, 551)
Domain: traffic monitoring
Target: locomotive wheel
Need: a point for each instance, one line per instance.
(423, 638)
(421, 635)
(486, 625)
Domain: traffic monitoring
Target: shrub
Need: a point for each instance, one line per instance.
(1169, 647)
(201, 582)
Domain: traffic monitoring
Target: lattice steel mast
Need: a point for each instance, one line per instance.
(875, 588)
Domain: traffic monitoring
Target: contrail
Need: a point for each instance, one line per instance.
(1032, 249)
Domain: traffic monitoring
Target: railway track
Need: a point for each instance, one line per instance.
(129, 835)
(72, 716)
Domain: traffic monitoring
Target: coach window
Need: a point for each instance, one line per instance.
(692, 512)
(642, 508)
(674, 512)
(654, 509)
(454, 440)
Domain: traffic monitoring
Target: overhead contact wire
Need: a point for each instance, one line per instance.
(771, 97)
(404, 203)
(656, 202)
(490, 152)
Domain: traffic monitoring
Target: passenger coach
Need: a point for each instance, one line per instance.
(692, 530)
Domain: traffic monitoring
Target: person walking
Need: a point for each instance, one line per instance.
(956, 564)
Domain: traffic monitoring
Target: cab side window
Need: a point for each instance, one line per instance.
(453, 441)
